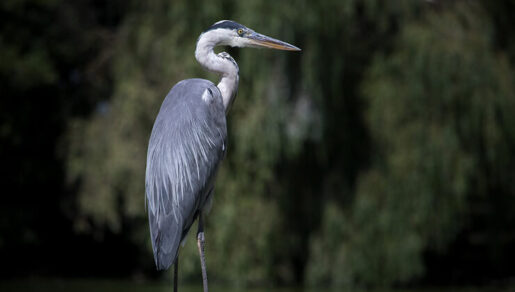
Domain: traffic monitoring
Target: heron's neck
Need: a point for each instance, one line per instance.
(222, 64)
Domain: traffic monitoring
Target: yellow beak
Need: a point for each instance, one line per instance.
(263, 41)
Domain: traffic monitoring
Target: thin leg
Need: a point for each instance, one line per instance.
(175, 274)
(200, 244)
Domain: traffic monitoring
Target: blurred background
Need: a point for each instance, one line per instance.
(381, 156)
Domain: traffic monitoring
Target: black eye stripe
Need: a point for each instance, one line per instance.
(228, 24)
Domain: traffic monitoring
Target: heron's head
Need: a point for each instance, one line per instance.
(231, 33)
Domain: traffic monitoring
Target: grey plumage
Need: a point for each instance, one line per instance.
(180, 175)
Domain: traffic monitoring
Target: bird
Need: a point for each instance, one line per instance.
(189, 141)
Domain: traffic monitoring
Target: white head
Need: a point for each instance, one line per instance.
(231, 33)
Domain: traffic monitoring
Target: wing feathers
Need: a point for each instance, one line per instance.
(185, 149)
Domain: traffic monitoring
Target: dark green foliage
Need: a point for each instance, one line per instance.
(346, 163)
(50, 72)
(382, 154)
(438, 111)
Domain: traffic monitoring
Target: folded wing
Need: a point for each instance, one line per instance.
(186, 146)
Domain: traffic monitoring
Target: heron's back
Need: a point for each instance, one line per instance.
(186, 146)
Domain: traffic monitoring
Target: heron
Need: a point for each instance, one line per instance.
(189, 141)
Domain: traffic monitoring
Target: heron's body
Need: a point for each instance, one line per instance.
(192, 117)
(188, 142)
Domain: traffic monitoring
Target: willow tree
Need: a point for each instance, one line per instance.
(440, 113)
(345, 162)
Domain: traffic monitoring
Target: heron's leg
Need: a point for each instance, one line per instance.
(200, 244)
(175, 274)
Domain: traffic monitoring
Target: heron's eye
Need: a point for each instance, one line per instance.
(240, 31)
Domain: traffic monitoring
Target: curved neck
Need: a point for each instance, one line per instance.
(222, 64)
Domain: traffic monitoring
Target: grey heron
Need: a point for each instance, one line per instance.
(188, 142)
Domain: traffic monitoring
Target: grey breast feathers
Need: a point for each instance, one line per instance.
(186, 146)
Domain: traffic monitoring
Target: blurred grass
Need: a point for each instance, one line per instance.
(106, 285)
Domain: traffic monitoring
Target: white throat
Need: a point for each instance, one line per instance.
(223, 64)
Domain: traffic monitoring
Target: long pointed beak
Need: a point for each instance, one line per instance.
(262, 41)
